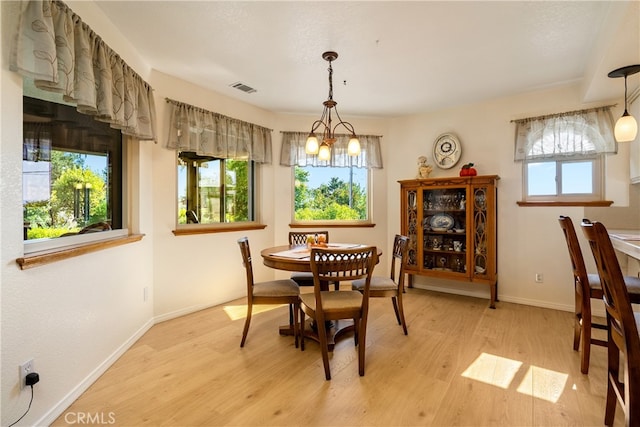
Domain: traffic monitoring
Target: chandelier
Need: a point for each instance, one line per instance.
(323, 150)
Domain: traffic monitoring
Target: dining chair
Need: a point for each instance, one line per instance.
(323, 305)
(587, 286)
(283, 291)
(299, 238)
(622, 329)
(384, 287)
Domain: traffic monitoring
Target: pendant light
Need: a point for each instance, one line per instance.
(626, 127)
(323, 149)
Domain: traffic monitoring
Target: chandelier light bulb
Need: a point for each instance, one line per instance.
(324, 153)
(312, 145)
(626, 128)
(354, 146)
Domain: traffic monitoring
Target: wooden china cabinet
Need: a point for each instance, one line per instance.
(451, 225)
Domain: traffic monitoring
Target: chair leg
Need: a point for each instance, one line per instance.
(246, 325)
(395, 309)
(302, 322)
(324, 346)
(296, 325)
(586, 345)
(356, 328)
(362, 344)
(290, 314)
(403, 322)
(613, 375)
(577, 328)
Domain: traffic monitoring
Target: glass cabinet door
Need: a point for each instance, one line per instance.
(444, 214)
(412, 226)
(480, 235)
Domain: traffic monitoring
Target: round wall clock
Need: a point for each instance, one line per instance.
(446, 151)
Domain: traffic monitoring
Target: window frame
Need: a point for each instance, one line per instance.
(598, 180)
(49, 245)
(333, 222)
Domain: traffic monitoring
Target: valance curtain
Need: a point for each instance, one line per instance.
(576, 133)
(62, 54)
(37, 141)
(293, 153)
(212, 134)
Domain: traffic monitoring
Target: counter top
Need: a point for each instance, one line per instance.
(626, 241)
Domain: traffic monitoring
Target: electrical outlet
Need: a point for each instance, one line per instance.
(145, 294)
(25, 368)
(539, 278)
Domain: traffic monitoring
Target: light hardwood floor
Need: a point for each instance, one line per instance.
(462, 364)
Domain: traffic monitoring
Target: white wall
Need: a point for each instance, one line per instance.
(74, 317)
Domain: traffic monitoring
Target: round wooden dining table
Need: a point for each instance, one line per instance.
(335, 329)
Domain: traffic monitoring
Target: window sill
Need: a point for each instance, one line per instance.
(218, 228)
(37, 259)
(332, 224)
(595, 203)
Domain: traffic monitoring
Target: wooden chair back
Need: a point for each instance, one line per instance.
(300, 237)
(622, 327)
(577, 261)
(243, 242)
(336, 265)
(399, 259)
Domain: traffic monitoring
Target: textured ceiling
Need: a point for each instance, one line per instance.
(395, 58)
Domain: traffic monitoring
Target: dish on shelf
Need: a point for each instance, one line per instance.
(439, 229)
(459, 230)
(442, 220)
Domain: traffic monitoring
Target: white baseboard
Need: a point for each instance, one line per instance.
(49, 417)
(182, 312)
(505, 298)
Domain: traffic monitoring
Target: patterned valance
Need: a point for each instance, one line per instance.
(293, 152)
(575, 134)
(62, 54)
(211, 134)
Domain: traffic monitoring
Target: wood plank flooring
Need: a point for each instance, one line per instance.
(462, 364)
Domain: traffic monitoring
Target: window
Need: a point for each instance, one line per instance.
(563, 155)
(331, 193)
(564, 179)
(335, 190)
(213, 190)
(217, 168)
(72, 176)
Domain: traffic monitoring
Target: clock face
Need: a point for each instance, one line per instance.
(446, 151)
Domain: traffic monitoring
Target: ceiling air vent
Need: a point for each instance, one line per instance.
(243, 87)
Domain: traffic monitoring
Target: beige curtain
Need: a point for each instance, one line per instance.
(62, 54)
(293, 152)
(581, 133)
(212, 134)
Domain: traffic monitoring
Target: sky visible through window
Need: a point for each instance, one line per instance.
(322, 175)
(576, 178)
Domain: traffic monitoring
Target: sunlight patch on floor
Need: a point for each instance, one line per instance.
(492, 369)
(546, 384)
(500, 371)
(236, 312)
